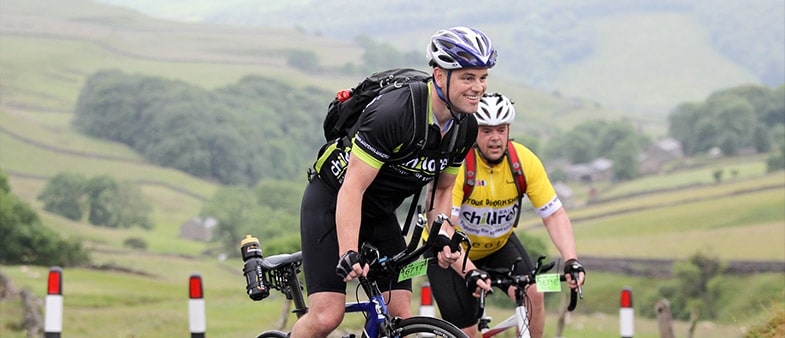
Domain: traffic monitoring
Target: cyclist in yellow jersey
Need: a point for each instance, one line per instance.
(488, 217)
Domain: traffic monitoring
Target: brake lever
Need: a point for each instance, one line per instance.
(574, 294)
(457, 239)
(369, 254)
(575, 276)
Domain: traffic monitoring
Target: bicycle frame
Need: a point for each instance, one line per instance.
(375, 309)
(281, 273)
(519, 320)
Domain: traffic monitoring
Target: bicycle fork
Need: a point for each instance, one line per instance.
(520, 321)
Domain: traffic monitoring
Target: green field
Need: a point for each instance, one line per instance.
(46, 53)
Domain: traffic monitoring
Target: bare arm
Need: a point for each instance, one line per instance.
(560, 229)
(348, 210)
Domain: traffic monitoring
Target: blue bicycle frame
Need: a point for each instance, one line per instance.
(374, 310)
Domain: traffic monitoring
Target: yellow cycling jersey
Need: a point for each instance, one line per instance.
(487, 216)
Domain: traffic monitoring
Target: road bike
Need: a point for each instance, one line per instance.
(504, 278)
(281, 273)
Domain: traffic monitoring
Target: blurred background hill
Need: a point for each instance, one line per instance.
(642, 57)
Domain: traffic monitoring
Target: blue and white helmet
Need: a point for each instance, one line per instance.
(461, 47)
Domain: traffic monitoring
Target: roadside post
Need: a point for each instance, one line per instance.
(53, 317)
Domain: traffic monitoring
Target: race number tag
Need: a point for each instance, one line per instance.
(414, 269)
(548, 282)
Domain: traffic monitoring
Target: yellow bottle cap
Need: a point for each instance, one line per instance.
(249, 239)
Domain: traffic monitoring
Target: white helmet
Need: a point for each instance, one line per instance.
(495, 109)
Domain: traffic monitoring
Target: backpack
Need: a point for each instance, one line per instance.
(515, 166)
(344, 111)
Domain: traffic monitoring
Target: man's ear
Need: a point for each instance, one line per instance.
(439, 76)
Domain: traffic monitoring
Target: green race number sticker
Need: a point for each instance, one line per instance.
(548, 282)
(414, 269)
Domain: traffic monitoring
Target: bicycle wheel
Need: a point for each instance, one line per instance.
(419, 326)
(272, 334)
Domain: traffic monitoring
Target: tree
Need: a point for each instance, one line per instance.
(64, 195)
(615, 140)
(25, 240)
(736, 122)
(682, 123)
(694, 279)
(116, 204)
(100, 191)
(279, 195)
(731, 119)
(303, 59)
(130, 208)
(236, 134)
(234, 208)
(624, 155)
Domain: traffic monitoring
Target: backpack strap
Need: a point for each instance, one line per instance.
(419, 94)
(469, 174)
(517, 169)
(517, 176)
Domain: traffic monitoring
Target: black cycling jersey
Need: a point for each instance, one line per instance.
(385, 130)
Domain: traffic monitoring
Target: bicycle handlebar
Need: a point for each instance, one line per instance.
(504, 278)
(381, 266)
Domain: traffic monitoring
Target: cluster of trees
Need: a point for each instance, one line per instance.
(25, 240)
(269, 210)
(696, 287)
(733, 119)
(617, 141)
(237, 134)
(376, 56)
(108, 203)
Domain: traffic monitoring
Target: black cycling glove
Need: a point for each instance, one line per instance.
(473, 276)
(574, 266)
(346, 262)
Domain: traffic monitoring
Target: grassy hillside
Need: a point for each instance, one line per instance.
(660, 60)
(645, 56)
(47, 51)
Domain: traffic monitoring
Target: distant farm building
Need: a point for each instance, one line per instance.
(198, 229)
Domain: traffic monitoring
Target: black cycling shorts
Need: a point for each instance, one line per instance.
(320, 243)
(455, 301)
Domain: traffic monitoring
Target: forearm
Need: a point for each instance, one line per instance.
(442, 202)
(560, 230)
(347, 220)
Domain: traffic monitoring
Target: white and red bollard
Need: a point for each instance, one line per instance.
(426, 301)
(196, 314)
(626, 314)
(53, 313)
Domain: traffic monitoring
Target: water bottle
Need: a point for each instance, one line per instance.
(251, 251)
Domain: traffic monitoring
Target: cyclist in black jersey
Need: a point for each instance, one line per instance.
(488, 215)
(337, 217)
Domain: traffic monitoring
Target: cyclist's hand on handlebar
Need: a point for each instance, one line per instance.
(448, 252)
(351, 266)
(477, 280)
(573, 269)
